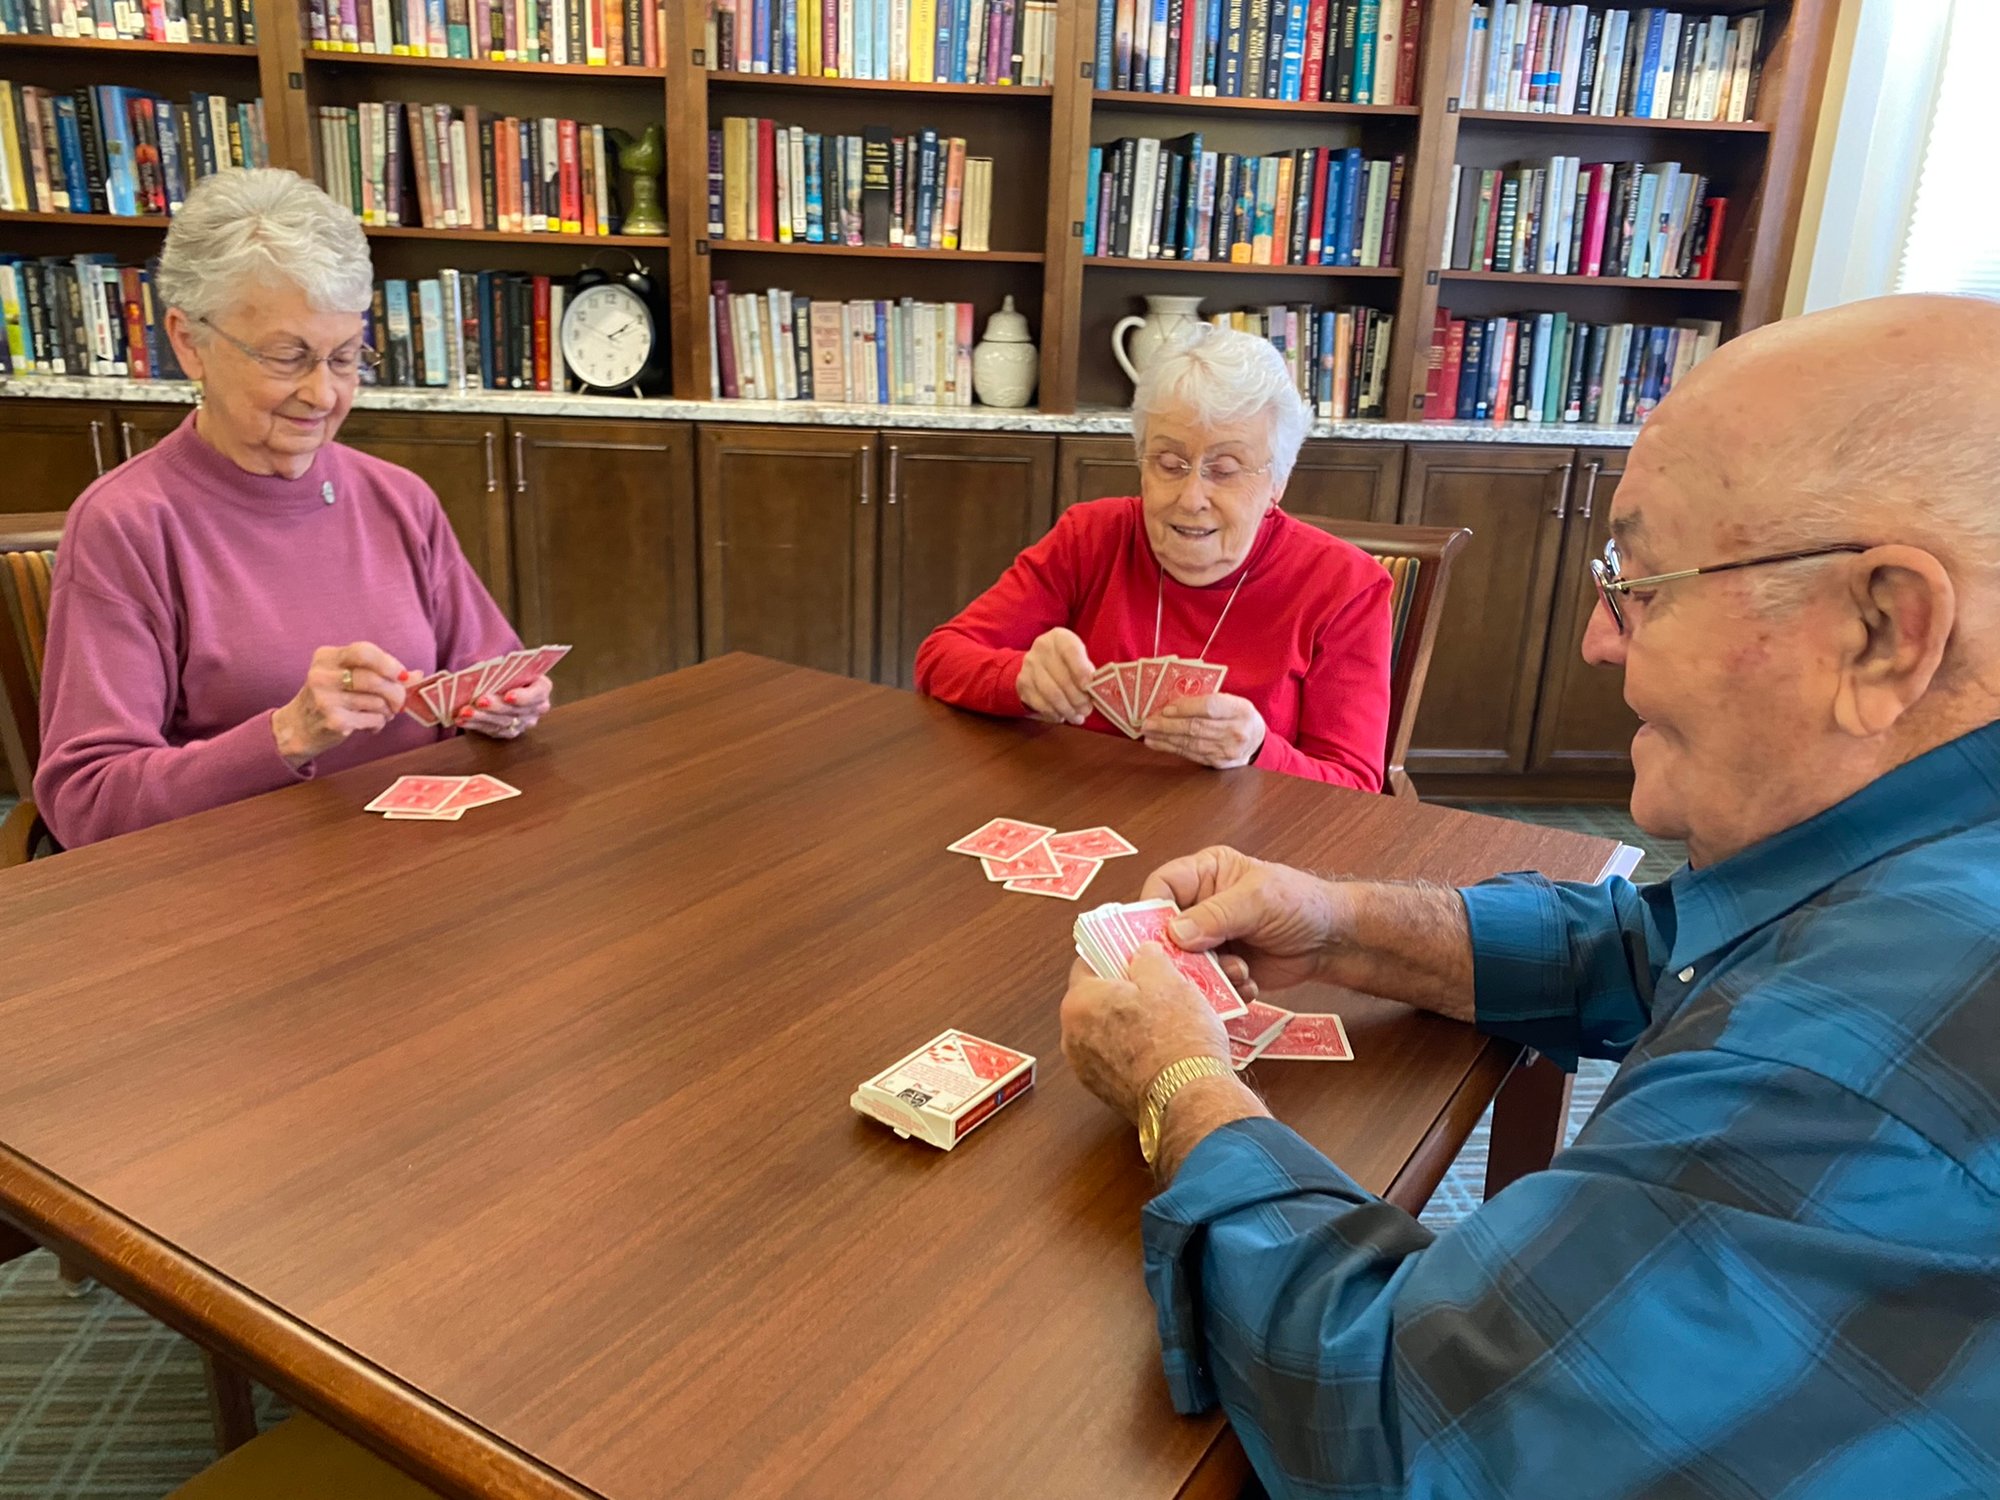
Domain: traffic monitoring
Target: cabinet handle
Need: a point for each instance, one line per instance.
(492, 477)
(895, 465)
(97, 445)
(864, 480)
(1590, 472)
(1561, 507)
(520, 464)
(127, 438)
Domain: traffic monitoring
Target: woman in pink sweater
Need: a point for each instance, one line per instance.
(239, 607)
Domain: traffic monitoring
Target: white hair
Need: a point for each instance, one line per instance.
(1220, 375)
(263, 225)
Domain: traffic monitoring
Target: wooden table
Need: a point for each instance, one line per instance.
(520, 1148)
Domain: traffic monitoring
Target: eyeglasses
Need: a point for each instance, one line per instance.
(1605, 573)
(297, 364)
(1223, 475)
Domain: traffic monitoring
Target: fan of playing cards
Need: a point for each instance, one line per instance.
(438, 698)
(1128, 692)
(1038, 860)
(1108, 936)
(439, 799)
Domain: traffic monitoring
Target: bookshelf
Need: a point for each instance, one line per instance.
(1039, 137)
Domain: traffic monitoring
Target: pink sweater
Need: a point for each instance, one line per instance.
(189, 597)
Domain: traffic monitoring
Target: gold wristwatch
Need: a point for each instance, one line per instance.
(1172, 1078)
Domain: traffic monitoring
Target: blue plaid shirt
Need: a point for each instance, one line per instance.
(1769, 1265)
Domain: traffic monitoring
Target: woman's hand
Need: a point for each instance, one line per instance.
(509, 715)
(347, 689)
(1055, 678)
(1219, 730)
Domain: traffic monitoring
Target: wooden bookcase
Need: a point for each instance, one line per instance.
(1039, 139)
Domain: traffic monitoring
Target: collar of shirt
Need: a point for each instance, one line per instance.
(1942, 791)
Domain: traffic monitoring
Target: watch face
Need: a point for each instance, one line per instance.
(607, 335)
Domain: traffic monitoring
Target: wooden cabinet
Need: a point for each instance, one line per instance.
(54, 450)
(788, 528)
(461, 459)
(1583, 725)
(1094, 468)
(1332, 481)
(956, 509)
(1479, 700)
(604, 546)
(139, 427)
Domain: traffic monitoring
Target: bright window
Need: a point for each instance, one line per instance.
(1953, 240)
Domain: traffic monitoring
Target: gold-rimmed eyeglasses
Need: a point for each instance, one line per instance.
(297, 363)
(1606, 573)
(1223, 475)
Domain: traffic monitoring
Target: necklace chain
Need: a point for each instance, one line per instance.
(1160, 603)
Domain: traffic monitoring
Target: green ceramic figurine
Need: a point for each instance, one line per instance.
(643, 159)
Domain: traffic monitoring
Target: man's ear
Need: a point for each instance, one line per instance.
(1905, 606)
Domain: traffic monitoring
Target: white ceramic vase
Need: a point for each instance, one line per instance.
(1167, 318)
(1005, 364)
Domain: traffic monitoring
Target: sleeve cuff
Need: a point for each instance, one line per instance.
(1239, 1166)
(1521, 975)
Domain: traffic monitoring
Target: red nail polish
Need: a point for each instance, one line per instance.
(485, 702)
(513, 697)
(404, 676)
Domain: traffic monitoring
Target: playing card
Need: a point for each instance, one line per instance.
(1000, 838)
(1103, 690)
(1147, 923)
(1310, 1038)
(415, 704)
(1187, 679)
(443, 815)
(1128, 689)
(946, 1089)
(1152, 671)
(1242, 1054)
(460, 691)
(539, 664)
(417, 794)
(1258, 1024)
(1035, 861)
(478, 791)
(436, 694)
(1092, 843)
(1077, 873)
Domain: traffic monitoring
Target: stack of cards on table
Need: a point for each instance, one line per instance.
(1108, 936)
(438, 698)
(1038, 860)
(1129, 692)
(439, 799)
(946, 1089)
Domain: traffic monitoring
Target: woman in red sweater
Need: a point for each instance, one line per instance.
(1207, 564)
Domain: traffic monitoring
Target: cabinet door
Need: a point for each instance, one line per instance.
(1094, 468)
(1479, 700)
(459, 457)
(139, 427)
(54, 450)
(788, 523)
(956, 509)
(604, 546)
(1583, 724)
(1335, 481)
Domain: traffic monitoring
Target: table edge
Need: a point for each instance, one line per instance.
(401, 1424)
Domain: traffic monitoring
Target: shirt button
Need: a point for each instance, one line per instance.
(1687, 974)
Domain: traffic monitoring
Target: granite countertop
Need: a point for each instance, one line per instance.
(1107, 420)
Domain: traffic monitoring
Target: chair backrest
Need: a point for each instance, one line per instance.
(1419, 562)
(27, 561)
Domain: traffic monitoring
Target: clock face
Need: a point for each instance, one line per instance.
(607, 334)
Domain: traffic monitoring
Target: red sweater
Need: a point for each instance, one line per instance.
(1307, 641)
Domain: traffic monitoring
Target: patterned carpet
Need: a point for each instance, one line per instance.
(98, 1402)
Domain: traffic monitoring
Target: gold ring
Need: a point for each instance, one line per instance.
(347, 680)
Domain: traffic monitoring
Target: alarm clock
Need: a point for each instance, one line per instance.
(614, 336)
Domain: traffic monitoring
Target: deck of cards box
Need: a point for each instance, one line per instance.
(438, 698)
(946, 1089)
(1129, 692)
(1038, 860)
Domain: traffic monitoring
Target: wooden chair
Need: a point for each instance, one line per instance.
(27, 559)
(1419, 562)
(301, 1460)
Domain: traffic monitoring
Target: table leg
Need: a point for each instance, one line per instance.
(13, 1243)
(1530, 1116)
(231, 1406)
(75, 1280)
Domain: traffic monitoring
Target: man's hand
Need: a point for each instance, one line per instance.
(1119, 1033)
(1281, 920)
(1055, 678)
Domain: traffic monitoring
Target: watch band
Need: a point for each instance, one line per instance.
(1170, 1081)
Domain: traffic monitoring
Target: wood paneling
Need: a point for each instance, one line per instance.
(1336, 481)
(788, 528)
(1094, 468)
(604, 542)
(559, 1193)
(139, 427)
(1583, 725)
(54, 450)
(1479, 701)
(956, 510)
(462, 459)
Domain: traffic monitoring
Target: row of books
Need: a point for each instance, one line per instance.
(615, 33)
(82, 315)
(179, 21)
(1338, 356)
(777, 345)
(451, 168)
(1650, 64)
(1148, 199)
(915, 41)
(786, 184)
(107, 149)
(1336, 51)
(1562, 218)
(1548, 367)
(470, 330)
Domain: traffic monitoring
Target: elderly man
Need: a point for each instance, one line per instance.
(1770, 1264)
